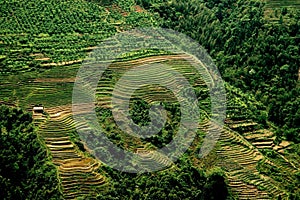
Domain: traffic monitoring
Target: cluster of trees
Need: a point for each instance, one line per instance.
(139, 111)
(259, 56)
(185, 182)
(26, 171)
(140, 115)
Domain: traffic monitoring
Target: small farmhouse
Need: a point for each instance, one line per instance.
(38, 109)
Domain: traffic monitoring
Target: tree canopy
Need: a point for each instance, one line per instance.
(25, 171)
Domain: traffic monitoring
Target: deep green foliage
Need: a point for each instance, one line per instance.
(25, 171)
(256, 55)
(182, 182)
(215, 182)
(139, 111)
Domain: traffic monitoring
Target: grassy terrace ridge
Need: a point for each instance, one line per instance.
(283, 3)
(274, 8)
(240, 159)
(77, 170)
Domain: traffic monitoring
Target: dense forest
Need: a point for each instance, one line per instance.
(185, 180)
(26, 170)
(254, 44)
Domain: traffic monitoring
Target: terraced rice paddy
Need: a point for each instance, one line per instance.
(49, 88)
(238, 151)
(256, 166)
(77, 171)
(239, 146)
(178, 62)
(239, 154)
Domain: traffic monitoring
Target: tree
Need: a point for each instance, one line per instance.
(25, 170)
(215, 188)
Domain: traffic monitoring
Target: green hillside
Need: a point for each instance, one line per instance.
(40, 35)
(255, 45)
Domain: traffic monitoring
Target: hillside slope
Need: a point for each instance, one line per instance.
(42, 45)
(255, 164)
